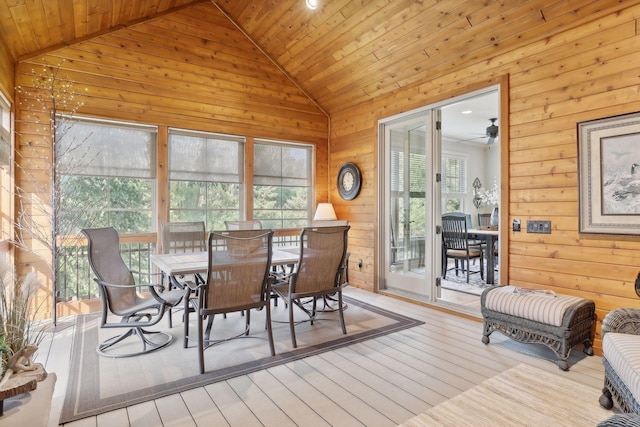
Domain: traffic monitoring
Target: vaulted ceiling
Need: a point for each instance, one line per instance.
(342, 54)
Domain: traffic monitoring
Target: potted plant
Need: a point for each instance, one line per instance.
(18, 311)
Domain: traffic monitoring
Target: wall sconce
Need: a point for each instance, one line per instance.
(477, 185)
(325, 212)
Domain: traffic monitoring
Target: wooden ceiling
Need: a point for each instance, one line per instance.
(342, 54)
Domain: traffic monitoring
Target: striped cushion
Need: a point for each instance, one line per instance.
(622, 351)
(540, 308)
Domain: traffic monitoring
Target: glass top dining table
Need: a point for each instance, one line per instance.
(177, 264)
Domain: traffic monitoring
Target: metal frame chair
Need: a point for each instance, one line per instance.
(119, 296)
(238, 279)
(183, 237)
(319, 273)
(251, 224)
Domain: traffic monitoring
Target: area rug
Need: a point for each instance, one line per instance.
(521, 396)
(459, 283)
(100, 384)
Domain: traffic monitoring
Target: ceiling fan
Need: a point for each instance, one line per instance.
(492, 131)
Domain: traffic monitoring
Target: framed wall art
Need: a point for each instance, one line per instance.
(609, 175)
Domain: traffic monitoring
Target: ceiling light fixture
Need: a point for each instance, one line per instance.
(312, 4)
(466, 112)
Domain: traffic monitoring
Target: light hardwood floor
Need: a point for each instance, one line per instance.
(380, 382)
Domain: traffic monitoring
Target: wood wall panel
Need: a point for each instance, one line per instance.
(7, 65)
(584, 73)
(192, 69)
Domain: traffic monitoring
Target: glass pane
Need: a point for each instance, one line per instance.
(219, 159)
(407, 200)
(130, 193)
(98, 149)
(131, 222)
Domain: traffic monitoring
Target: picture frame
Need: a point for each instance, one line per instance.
(609, 175)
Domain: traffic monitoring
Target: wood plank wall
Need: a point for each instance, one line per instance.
(7, 64)
(191, 69)
(585, 73)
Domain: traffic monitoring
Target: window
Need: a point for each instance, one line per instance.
(206, 177)
(5, 170)
(454, 183)
(106, 176)
(282, 184)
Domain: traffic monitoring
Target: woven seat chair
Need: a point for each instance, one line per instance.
(120, 298)
(456, 245)
(238, 279)
(319, 273)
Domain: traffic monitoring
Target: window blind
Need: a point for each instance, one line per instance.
(281, 164)
(205, 157)
(95, 148)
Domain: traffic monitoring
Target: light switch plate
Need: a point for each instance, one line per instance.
(543, 227)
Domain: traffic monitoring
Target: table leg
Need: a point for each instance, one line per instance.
(490, 259)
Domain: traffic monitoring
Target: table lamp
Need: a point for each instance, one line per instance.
(325, 212)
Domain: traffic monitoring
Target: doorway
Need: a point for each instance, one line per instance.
(430, 159)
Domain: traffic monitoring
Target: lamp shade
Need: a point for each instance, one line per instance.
(325, 212)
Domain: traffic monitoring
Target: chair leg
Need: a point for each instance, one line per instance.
(247, 322)
(291, 325)
(200, 345)
(468, 268)
(340, 309)
(186, 321)
(269, 331)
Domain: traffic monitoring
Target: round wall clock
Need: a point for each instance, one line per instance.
(349, 181)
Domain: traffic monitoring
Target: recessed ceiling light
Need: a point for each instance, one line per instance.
(467, 112)
(312, 4)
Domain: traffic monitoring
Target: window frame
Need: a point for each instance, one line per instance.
(241, 175)
(310, 177)
(459, 196)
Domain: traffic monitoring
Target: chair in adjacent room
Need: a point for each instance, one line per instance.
(456, 246)
(120, 298)
(183, 237)
(251, 224)
(319, 273)
(238, 279)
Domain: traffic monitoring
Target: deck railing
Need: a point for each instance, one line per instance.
(75, 278)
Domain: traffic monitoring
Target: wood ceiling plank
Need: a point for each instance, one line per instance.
(9, 32)
(206, 13)
(21, 20)
(67, 21)
(302, 55)
(80, 11)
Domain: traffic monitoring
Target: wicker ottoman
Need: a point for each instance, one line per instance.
(559, 322)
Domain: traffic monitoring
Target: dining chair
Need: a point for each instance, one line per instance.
(251, 224)
(319, 273)
(120, 298)
(469, 225)
(456, 245)
(183, 237)
(237, 279)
